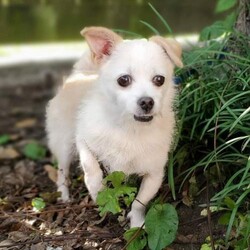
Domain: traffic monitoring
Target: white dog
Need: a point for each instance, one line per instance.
(116, 108)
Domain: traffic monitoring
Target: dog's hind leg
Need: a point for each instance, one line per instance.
(63, 181)
(93, 174)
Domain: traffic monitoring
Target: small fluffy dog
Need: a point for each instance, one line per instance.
(116, 109)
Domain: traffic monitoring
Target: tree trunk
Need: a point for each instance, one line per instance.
(242, 24)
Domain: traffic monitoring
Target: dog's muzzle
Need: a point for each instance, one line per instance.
(146, 105)
(143, 118)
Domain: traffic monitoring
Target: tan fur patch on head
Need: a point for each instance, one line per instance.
(171, 47)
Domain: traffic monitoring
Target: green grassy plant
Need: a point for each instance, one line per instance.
(214, 122)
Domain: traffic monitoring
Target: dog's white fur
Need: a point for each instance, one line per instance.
(95, 116)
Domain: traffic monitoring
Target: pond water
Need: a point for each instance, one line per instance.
(61, 20)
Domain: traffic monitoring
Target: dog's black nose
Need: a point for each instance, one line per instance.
(146, 103)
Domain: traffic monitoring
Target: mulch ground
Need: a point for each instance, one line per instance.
(76, 225)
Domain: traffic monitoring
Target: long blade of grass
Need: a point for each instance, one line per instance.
(153, 29)
(232, 218)
(247, 170)
(224, 106)
(171, 175)
(162, 19)
(239, 118)
(129, 33)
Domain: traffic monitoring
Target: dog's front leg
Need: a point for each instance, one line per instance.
(92, 172)
(149, 187)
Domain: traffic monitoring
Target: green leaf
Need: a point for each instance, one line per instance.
(34, 151)
(38, 204)
(107, 201)
(229, 202)
(112, 197)
(116, 178)
(129, 199)
(224, 219)
(224, 5)
(230, 21)
(161, 224)
(127, 193)
(139, 242)
(206, 246)
(213, 31)
(4, 139)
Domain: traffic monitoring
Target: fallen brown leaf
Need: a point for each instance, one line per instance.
(27, 123)
(186, 199)
(52, 172)
(5, 243)
(8, 153)
(22, 173)
(50, 197)
(39, 246)
(25, 169)
(4, 170)
(18, 236)
(14, 137)
(186, 238)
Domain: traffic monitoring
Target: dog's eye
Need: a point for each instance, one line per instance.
(158, 80)
(124, 81)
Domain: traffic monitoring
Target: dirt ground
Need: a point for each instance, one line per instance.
(75, 225)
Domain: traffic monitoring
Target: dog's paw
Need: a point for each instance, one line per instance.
(95, 194)
(136, 218)
(64, 194)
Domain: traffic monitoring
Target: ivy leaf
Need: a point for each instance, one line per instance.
(126, 193)
(206, 246)
(130, 198)
(116, 178)
(34, 151)
(139, 242)
(38, 203)
(161, 224)
(4, 139)
(111, 198)
(108, 202)
(224, 5)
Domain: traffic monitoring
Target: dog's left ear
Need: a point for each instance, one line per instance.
(101, 41)
(171, 47)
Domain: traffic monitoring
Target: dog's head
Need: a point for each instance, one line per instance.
(134, 75)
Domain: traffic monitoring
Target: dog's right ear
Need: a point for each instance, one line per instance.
(101, 41)
(171, 47)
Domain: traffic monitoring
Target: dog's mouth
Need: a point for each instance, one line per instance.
(143, 118)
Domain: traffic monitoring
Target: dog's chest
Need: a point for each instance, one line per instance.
(126, 151)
